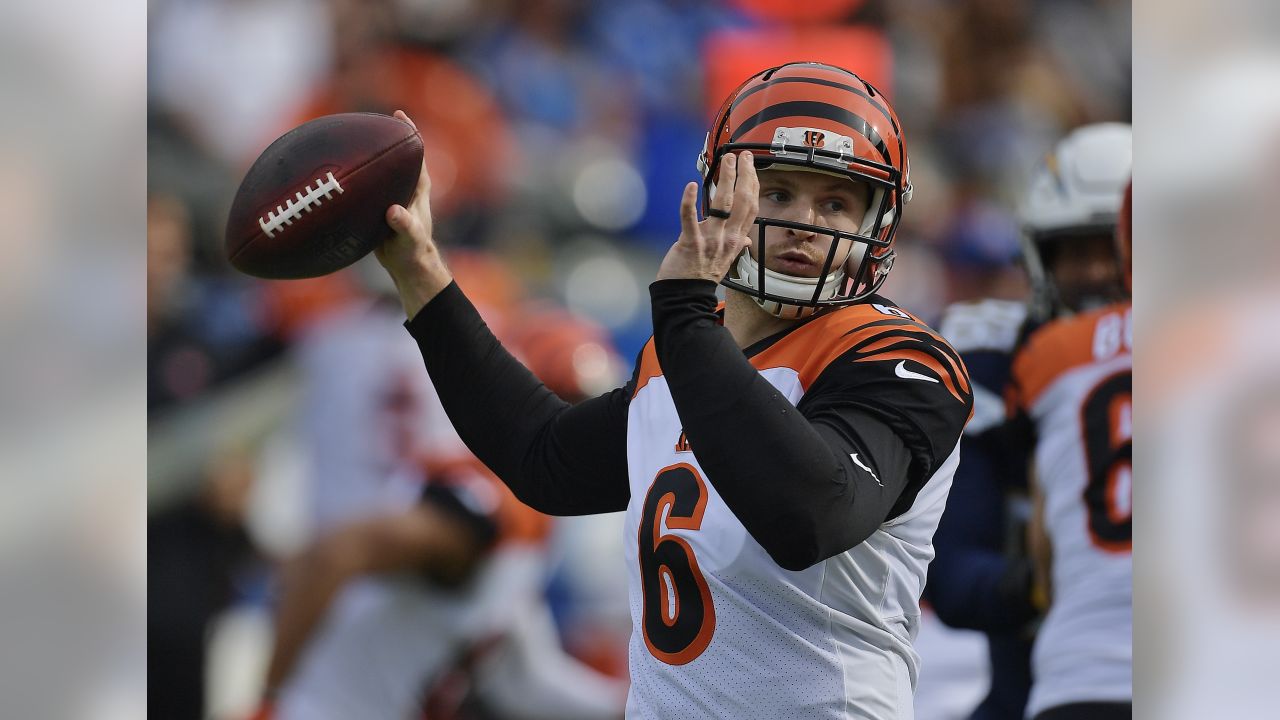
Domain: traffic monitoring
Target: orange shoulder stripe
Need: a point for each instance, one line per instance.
(813, 347)
(648, 369)
(1055, 349)
(920, 357)
(959, 373)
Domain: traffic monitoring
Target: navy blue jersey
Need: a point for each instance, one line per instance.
(980, 578)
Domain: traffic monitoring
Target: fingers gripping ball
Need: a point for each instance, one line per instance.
(315, 200)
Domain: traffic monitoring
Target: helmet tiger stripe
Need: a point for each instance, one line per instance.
(825, 118)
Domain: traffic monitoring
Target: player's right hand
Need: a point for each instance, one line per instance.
(707, 249)
(411, 256)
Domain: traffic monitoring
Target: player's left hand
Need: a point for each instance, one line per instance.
(411, 257)
(707, 249)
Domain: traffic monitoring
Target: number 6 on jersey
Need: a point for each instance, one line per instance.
(678, 617)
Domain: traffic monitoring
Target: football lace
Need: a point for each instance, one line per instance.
(293, 208)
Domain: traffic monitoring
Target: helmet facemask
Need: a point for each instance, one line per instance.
(843, 280)
(1042, 254)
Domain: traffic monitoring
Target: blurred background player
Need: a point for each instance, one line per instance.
(587, 591)
(426, 575)
(199, 557)
(981, 578)
(1073, 381)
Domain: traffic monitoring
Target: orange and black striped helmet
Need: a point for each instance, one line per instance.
(821, 117)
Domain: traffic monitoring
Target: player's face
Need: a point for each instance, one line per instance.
(814, 199)
(1085, 271)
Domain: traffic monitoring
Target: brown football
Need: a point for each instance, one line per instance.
(315, 201)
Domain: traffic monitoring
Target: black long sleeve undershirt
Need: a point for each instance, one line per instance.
(790, 479)
(556, 458)
(788, 475)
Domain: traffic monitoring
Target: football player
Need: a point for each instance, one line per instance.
(422, 561)
(1072, 382)
(782, 458)
(982, 576)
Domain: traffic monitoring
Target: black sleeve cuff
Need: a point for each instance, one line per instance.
(677, 305)
(682, 287)
(444, 305)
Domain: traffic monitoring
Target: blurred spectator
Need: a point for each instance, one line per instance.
(200, 331)
(541, 70)
(925, 281)
(980, 250)
(168, 256)
(197, 555)
(178, 166)
(228, 69)
(1091, 45)
(1003, 100)
(782, 11)
(468, 149)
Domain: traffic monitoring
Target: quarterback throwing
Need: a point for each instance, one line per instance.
(783, 457)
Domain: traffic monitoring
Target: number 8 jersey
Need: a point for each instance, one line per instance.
(720, 629)
(1073, 381)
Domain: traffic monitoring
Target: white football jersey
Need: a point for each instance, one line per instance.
(1073, 380)
(385, 639)
(369, 418)
(367, 412)
(988, 325)
(720, 630)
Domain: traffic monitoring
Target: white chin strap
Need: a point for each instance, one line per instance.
(746, 271)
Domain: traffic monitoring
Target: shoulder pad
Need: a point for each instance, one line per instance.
(983, 325)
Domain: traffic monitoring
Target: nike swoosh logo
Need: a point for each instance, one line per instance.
(901, 371)
(862, 465)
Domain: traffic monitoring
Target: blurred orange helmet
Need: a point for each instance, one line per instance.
(468, 140)
(814, 116)
(489, 283)
(571, 355)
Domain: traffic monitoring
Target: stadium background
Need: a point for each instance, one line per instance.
(559, 134)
